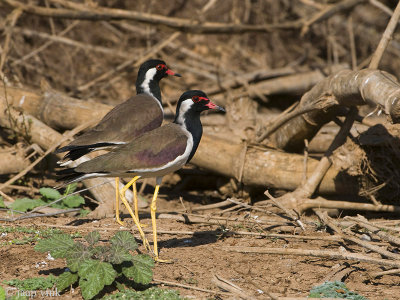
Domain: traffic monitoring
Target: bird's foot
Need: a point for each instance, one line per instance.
(164, 261)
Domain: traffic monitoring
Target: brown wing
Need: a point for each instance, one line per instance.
(151, 150)
(126, 121)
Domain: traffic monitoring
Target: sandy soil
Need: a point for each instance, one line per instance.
(196, 258)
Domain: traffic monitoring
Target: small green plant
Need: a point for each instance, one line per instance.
(2, 293)
(334, 289)
(50, 195)
(30, 234)
(95, 265)
(33, 284)
(2, 205)
(149, 294)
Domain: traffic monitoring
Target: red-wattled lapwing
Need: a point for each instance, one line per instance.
(126, 121)
(154, 154)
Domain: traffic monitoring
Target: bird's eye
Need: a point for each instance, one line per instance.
(196, 99)
(160, 67)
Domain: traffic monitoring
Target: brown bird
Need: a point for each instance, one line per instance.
(126, 121)
(154, 154)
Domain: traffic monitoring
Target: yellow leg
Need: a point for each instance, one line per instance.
(117, 218)
(153, 209)
(135, 200)
(135, 204)
(122, 195)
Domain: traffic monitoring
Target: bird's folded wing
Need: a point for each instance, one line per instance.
(125, 122)
(151, 150)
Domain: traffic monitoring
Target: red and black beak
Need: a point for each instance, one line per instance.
(172, 73)
(212, 105)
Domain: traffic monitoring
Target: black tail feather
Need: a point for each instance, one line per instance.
(75, 152)
(69, 175)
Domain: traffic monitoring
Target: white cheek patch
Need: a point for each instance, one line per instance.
(185, 106)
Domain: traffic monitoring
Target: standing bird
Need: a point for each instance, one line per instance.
(126, 121)
(154, 154)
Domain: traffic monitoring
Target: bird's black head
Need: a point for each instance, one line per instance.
(193, 101)
(149, 75)
(155, 69)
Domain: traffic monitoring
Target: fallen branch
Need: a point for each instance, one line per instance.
(231, 287)
(363, 222)
(329, 222)
(314, 253)
(30, 216)
(189, 287)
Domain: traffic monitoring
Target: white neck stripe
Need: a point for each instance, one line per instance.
(149, 76)
(185, 106)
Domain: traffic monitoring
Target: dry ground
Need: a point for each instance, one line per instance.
(197, 257)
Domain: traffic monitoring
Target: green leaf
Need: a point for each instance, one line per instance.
(65, 280)
(25, 204)
(32, 284)
(93, 237)
(2, 293)
(119, 254)
(142, 269)
(50, 193)
(2, 205)
(124, 239)
(70, 188)
(84, 212)
(58, 245)
(148, 294)
(76, 255)
(94, 275)
(334, 289)
(73, 201)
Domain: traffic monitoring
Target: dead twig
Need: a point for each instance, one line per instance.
(189, 287)
(12, 19)
(329, 11)
(314, 253)
(329, 222)
(134, 61)
(231, 287)
(83, 12)
(289, 213)
(363, 222)
(388, 272)
(386, 37)
(324, 164)
(30, 216)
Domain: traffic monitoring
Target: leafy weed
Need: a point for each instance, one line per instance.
(93, 265)
(334, 289)
(49, 195)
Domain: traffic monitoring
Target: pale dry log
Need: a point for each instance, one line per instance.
(12, 160)
(265, 167)
(349, 88)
